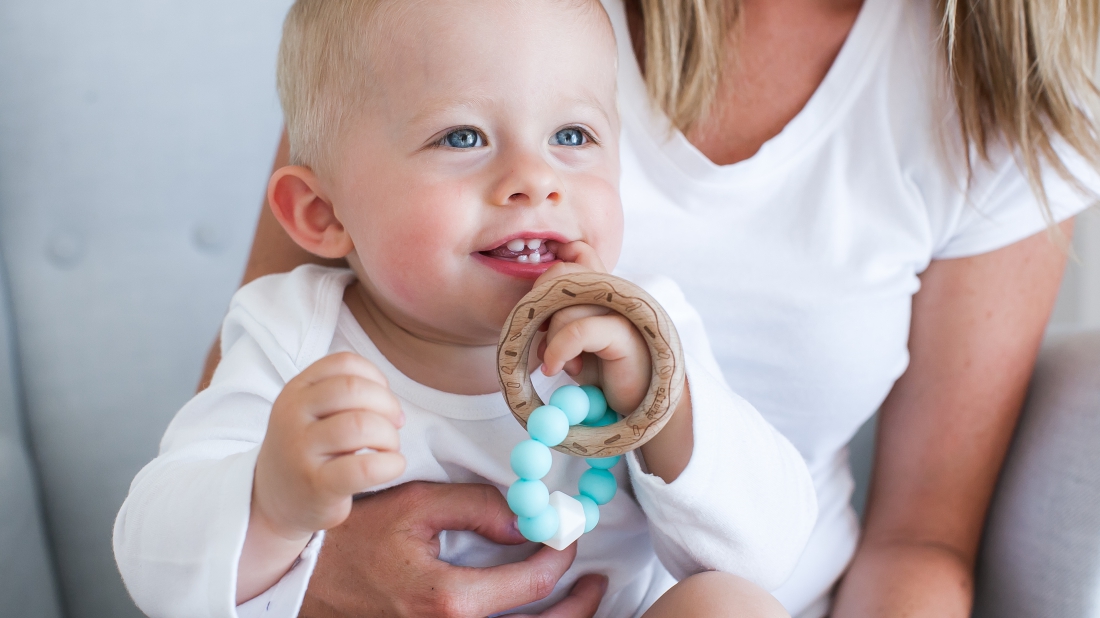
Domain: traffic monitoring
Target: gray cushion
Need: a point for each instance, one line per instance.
(1041, 550)
(135, 143)
(27, 586)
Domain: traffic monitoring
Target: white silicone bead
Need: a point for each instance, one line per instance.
(570, 518)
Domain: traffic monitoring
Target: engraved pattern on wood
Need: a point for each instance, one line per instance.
(667, 377)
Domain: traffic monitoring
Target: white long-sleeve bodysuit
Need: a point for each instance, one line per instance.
(745, 504)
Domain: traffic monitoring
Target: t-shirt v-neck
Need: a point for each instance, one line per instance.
(670, 148)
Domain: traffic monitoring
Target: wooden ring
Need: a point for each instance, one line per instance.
(666, 385)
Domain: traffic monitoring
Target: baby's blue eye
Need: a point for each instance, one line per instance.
(463, 138)
(569, 137)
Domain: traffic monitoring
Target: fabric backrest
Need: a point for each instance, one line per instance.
(135, 143)
(1041, 549)
(27, 586)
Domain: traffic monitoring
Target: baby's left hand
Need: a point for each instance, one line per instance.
(594, 344)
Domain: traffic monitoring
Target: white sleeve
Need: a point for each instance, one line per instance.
(284, 599)
(999, 207)
(745, 504)
(179, 534)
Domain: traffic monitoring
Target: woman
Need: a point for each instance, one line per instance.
(855, 196)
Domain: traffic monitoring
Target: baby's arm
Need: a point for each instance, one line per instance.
(308, 466)
(619, 362)
(745, 503)
(722, 489)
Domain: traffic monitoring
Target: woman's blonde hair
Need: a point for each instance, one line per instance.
(1021, 71)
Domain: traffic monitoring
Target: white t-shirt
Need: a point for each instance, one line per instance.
(803, 259)
(745, 504)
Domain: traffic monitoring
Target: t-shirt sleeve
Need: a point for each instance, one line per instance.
(745, 503)
(1000, 207)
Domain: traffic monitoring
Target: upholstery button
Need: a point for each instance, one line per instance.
(207, 238)
(65, 249)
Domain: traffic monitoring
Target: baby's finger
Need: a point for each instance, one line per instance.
(562, 317)
(610, 337)
(342, 363)
(578, 257)
(578, 252)
(560, 269)
(350, 392)
(350, 474)
(350, 431)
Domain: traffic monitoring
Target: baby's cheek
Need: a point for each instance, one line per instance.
(413, 264)
(605, 223)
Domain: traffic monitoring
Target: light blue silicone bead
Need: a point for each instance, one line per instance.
(608, 418)
(531, 460)
(603, 463)
(597, 403)
(597, 484)
(573, 401)
(528, 498)
(591, 512)
(548, 424)
(540, 527)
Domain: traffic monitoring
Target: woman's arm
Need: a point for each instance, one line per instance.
(272, 252)
(945, 427)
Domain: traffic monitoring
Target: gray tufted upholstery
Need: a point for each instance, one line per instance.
(1041, 553)
(28, 588)
(135, 139)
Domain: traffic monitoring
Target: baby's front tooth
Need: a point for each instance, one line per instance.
(535, 258)
(534, 244)
(515, 245)
(522, 258)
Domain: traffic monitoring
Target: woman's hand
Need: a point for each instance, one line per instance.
(384, 560)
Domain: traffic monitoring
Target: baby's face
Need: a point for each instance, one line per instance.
(491, 134)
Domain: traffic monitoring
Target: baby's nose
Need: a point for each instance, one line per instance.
(527, 181)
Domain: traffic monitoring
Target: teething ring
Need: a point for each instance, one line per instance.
(635, 304)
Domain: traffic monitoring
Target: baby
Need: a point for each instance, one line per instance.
(455, 152)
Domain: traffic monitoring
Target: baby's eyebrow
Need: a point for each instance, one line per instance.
(442, 106)
(591, 102)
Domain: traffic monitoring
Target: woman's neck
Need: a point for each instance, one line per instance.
(776, 59)
(442, 365)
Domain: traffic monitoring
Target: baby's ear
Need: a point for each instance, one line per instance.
(306, 214)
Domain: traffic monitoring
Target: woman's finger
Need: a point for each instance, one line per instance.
(473, 507)
(351, 431)
(583, 600)
(492, 590)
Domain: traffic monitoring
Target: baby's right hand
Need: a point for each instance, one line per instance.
(308, 466)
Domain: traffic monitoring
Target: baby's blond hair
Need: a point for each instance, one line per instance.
(323, 71)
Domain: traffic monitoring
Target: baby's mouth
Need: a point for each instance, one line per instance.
(524, 251)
